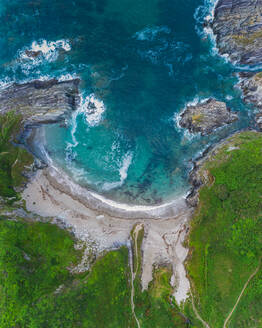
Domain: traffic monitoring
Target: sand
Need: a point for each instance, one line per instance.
(104, 225)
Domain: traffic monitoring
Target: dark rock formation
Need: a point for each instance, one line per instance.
(237, 25)
(41, 102)
(33, 54)
(207, 116)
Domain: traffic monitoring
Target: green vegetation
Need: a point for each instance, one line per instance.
(156, 306)
(37, 286)
(38, 290)
(226, 235)
(13, 160)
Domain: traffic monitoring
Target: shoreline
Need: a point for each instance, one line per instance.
(102, 230)
(35, 143)
(60, 181)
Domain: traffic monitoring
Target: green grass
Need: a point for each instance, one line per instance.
(14, 161)
(226, 235)
(37, 288)
(34, 261)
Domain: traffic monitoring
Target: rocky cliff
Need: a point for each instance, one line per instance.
(237, 26)
(41, 102)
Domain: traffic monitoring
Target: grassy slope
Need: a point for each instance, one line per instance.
(13, 160)
(34, 262)
(226, 235)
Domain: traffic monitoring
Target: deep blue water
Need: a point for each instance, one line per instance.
(141, 61)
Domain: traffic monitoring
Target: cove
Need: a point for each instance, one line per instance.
(140, 62)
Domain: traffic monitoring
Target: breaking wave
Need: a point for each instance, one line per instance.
(44, 50)
(123, 170)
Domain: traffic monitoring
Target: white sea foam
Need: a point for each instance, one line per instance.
(150, 33)
(93, 109)
(74, 143)
(123, 170)
(205, 13)
(187, 135)
(40, 52)
(5, 83)
(49, 50)
(177, 117)
(79, 174)
(67, 77)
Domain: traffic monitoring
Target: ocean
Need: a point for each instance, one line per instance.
(140, 62)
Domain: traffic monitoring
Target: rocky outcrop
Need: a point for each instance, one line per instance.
(251, 85)
(41, 102)
(237, 26)
(206, 116)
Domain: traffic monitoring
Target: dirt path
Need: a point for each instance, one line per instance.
(204, 323)
(241, 294)
(133, 274)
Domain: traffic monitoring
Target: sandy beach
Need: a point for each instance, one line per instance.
(105, 225)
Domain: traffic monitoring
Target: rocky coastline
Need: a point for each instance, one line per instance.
(41, 102)
(237, 26)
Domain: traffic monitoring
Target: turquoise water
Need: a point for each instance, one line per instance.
(141, 62)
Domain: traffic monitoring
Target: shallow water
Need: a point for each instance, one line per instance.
(141, 62)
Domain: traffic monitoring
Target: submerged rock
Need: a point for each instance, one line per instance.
(206, 116)
(237, 26)
(41, 102)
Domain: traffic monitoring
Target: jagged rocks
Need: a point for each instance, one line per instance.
(237, 26)
(251, 85)
(206, 116)
(41, 102)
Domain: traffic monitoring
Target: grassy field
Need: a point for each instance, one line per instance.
(226, 235)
